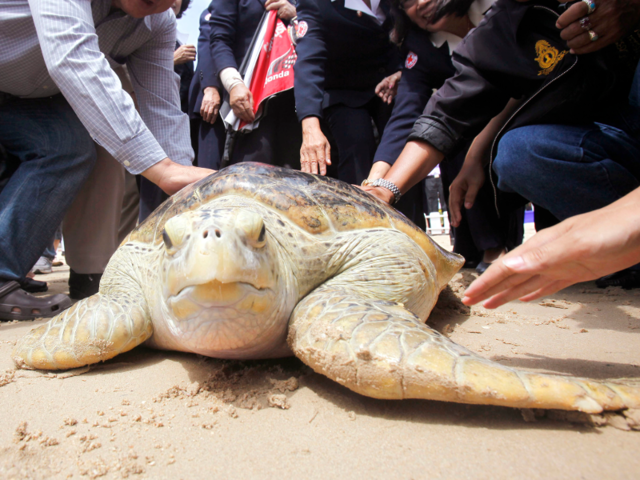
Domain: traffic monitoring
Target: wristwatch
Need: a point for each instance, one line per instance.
(381, 182)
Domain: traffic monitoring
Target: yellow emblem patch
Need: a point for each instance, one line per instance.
(548, 57)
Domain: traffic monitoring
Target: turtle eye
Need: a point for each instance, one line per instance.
(174, 234)
(263, 233)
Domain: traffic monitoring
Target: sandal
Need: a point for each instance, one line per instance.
(33, 286)
(16, 304)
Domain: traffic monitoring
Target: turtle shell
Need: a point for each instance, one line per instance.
(320, 205)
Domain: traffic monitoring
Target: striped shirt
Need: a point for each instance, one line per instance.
(70, 46)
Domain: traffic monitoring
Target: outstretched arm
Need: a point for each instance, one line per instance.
(579, 249)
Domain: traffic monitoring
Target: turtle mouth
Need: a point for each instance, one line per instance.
(241, 296)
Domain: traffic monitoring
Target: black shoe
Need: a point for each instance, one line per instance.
(482, 267)
(33, 286)
(470, 264)
(627, 279)
(83, 285)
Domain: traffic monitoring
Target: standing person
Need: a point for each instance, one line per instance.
(204, 101)
(233, 25)
(482, 235)
(344, 52)
(58, 94)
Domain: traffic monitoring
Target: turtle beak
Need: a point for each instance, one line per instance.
(252, 226)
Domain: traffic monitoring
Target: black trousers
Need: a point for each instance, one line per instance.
(481, 227)
(276, 141)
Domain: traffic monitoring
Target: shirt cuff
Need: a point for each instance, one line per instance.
(139, 153)
(427, 129)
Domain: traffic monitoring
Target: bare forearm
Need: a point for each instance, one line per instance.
(414, 163)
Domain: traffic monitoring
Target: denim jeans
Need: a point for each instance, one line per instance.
(568, 169)
(56, 155)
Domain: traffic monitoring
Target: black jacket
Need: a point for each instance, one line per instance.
(426, 68)
(233, 24)
(341, 57)
(517, 52)
(185, 72)
(204, 76)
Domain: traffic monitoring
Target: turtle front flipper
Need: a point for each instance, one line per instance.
(93, 330)
(382, 350)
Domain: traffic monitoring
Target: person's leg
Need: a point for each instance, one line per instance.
(211, 140)
(130, 207)
(289, 132)
(151, 197)
(56, 155)
(568, 170)
(352, 132)
(90, 227)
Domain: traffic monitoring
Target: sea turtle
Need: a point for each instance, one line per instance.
(261, 262)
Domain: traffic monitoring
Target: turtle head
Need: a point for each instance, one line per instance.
(221, 281)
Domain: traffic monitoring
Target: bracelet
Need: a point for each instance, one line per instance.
(381, 182)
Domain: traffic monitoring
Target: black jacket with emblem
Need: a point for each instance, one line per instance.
(342, 56)
(517, 52)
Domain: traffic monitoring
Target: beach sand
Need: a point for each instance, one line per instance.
(154, 414)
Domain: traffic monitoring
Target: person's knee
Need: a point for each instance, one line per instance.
(519, 157)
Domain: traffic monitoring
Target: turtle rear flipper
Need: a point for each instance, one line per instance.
(382, 350)
(93, 330)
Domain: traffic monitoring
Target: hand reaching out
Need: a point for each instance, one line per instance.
(241, 101)
(581, 248)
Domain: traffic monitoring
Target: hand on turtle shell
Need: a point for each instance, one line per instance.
(581, 248)
(611, 20)
(315, 152)
(210, 105)
(184, 54)
(286, 11)
(172, 177)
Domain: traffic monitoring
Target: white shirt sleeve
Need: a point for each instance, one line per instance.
(73, 58)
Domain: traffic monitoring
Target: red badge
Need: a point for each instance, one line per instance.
(302, 29)
(411, 61)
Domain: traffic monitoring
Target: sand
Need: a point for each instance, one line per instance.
(152, 414)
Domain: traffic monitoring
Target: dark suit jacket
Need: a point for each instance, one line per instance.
(425, 68)
(205, 75)
(185, 72)
(341, 58)
(233, 24)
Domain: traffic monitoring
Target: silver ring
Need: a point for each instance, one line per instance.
(593, 35)
(591, 5)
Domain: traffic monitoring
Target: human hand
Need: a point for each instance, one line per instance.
(315, 152)
(378, 170)
(184, 54)
(611, 20)
(581, 248)
(387, 89)
(286, 11)
(210, 105)
(464, 189)
(379, 192)
(241, 101)
(171, 177)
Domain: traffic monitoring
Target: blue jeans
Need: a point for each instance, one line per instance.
(568, 169)
(56, 155)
